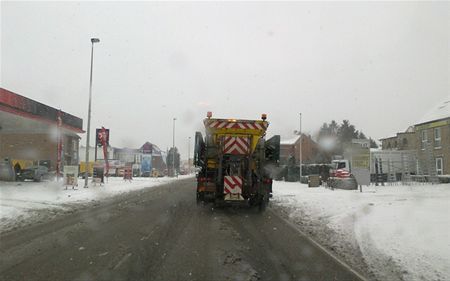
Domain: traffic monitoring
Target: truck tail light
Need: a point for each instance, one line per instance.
(267, 181)
(203, 179)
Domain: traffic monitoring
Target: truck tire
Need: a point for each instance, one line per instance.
(200, 197)
(217, 203)
(262, 206)
(263, 202)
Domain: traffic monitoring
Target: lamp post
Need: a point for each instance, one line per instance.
(86, 173)
(173, 148)
(189, 155)
(300, 150)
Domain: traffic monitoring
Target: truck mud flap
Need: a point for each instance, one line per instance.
(233, 197)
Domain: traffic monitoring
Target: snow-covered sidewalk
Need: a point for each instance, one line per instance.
(402, 232)
(26, 202)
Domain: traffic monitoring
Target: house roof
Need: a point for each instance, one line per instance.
(391, 136)
(290, 141)
(409, 130)
(293, 140)
(438, 112)
(153, 148)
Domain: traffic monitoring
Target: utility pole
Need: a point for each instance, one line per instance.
(86, 174)
(189, 155)
(173, 148)
(59, 145)
(300, 150)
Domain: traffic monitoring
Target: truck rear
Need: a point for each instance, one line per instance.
(236, 164)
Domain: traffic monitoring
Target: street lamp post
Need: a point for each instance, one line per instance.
(300, 150)
(86, 173)
(189, 155)
(173, 147)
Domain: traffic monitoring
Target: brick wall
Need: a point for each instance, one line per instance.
(309, 150)
(403, 141)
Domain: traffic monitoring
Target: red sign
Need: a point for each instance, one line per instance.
(102, 137)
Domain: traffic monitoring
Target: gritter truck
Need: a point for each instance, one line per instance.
(235, 162)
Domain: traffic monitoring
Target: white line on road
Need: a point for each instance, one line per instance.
(127, 256)
(320, 247)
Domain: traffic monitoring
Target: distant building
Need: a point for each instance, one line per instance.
(127, 155)
(429, 138)
(401, 141)
(433, 137)
(82, 153)
(146, 158)
(187, 166)
(157, 156)
(291, 147)
(29, 132)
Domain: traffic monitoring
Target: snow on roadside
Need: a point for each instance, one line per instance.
(24, 201)
(406, 228)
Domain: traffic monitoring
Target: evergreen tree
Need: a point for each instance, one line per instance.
(333, 127)
(362, 136)
(324, 131)
(170, 158)
(344, 133)
(373, 144)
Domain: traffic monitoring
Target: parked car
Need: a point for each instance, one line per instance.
(36, 173)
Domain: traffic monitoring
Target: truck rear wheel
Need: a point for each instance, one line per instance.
(262, 205)
(200, 197)
(218, 203)
(263, 202)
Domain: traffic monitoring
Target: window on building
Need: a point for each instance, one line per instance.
(424, 139)
(439, 169)
(405, 142)
(137, 158)
(437, 137)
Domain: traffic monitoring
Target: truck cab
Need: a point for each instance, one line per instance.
(340, 164)
(340, 175)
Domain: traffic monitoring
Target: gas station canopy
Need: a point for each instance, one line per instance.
(19, 114)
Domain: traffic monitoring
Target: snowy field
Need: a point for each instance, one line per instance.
(27, 202)
(402, 232)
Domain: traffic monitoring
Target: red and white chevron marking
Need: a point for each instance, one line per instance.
(218, 124)
(342, 174)
(232, 184)
(236, 145)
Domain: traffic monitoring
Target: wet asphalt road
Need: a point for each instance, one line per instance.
(161, 234)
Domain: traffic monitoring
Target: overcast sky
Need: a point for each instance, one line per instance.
(380, 65)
